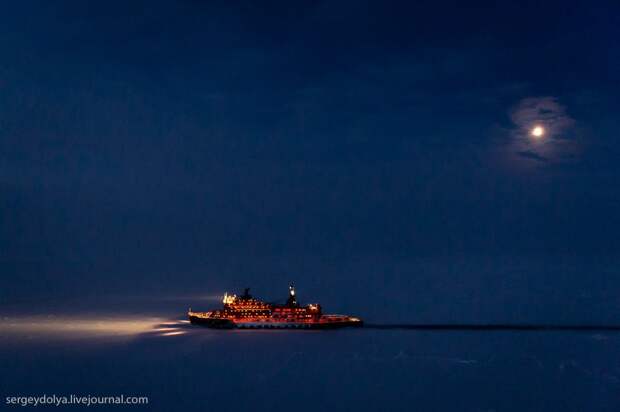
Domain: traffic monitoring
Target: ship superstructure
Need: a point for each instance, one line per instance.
(246, 312)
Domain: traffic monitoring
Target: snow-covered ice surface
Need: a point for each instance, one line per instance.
(182, 367)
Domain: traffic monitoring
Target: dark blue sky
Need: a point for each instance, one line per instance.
(144, 142)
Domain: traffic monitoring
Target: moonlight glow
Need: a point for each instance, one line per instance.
(538, 131)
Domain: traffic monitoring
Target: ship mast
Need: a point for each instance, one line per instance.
(292, 300)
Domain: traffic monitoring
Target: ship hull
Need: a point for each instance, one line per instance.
(212, 323)
(230, 324)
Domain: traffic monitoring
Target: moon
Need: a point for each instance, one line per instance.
(538, 131)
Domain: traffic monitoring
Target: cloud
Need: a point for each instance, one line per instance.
(544, 111)
(528, 154)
